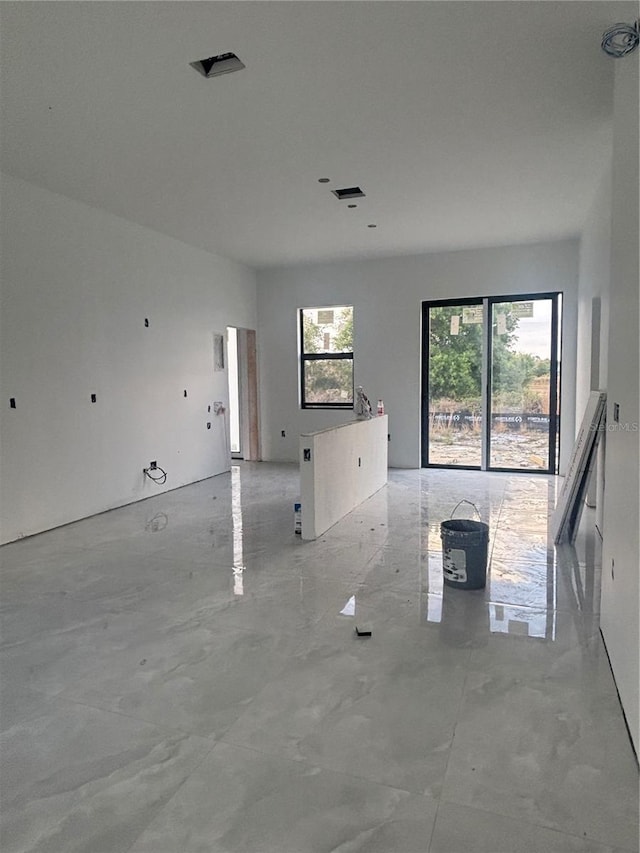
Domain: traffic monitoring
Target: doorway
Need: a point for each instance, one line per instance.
(491, 379)
(244, 421)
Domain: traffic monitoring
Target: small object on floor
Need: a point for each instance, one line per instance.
(362, 633)
(464, 550)
(350, 607)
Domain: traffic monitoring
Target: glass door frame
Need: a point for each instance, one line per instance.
(555, 379)
(554, 417)
(448, 303)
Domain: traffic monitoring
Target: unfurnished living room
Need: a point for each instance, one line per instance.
(319, 427)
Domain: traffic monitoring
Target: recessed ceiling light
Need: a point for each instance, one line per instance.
(372, 226)
(352, 205)
(214, 66)
(348, 192)
(323, 180)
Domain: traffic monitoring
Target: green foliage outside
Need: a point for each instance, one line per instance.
(455, 364)
(455, 367)
(340, 331)
(330, 380)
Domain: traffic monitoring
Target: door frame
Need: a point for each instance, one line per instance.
(248, 403)
(555, 379)
(424, 393)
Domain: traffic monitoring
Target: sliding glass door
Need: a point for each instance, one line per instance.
(523, 395)
(491, 383)
(454, 354)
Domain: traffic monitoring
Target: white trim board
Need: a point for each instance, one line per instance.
(566, 516)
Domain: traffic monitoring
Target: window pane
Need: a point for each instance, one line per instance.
(520, 384)
(455, 384)
(327, 329)
(328, 381)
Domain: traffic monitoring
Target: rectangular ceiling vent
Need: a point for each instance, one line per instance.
(348, 192)
(214, 66)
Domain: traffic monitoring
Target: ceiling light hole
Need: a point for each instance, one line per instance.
(352, 205)
(214, 66)
(323, 180)
(348, 192)
(373, 225)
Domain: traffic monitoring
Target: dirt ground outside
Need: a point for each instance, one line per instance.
(526, 449)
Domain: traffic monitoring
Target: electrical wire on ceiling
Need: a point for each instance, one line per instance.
(621, 39)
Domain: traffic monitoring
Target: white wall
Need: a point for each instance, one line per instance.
(593, 341)
(77, 284)
(346, 465)
(387, 295)
(621, 590)
(595, 259)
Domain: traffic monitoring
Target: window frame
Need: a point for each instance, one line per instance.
(321, 356)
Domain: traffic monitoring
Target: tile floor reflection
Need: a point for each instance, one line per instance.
(183, 675)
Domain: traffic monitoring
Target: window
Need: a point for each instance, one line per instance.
(326, 357)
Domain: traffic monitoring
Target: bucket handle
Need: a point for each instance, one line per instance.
(464, 501)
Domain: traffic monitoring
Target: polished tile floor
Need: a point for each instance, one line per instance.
(177, 677)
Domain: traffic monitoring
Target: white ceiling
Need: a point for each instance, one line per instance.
(466, 123)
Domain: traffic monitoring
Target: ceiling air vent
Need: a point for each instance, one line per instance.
(214, 66)
(348, 192)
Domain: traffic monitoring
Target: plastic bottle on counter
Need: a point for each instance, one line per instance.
(380, 407)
